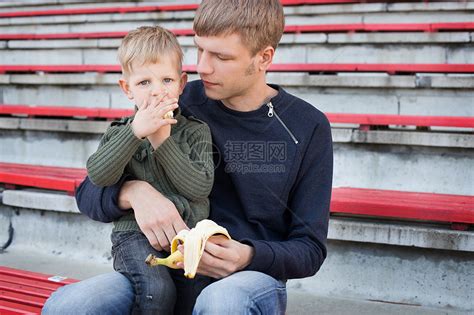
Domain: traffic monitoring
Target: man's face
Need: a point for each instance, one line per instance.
(225, 66)
(149, 80)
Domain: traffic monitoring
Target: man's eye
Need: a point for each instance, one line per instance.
(222, 57)
(167, 80)
(144, 82)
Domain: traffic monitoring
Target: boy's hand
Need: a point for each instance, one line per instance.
(149, 116)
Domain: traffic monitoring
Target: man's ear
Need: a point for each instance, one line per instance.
(266, 58)
(125, 88)
(184, 80)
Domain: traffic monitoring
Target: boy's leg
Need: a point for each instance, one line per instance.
(155, 292)
(109, 293)
(244, 292)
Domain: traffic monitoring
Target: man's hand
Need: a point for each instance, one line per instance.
(156, 216)
(223, 257)
(149, 116)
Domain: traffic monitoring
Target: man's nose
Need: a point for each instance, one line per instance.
(203, 65)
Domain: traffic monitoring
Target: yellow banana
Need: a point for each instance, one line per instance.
(171, 261)
(194, 242)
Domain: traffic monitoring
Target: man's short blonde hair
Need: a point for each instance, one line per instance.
(146, 45)
(260, 23)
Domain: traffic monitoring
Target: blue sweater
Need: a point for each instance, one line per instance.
(272, 185)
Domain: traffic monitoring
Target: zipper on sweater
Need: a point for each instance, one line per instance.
(272, 112)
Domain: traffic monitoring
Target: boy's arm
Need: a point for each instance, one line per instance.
(116, 148)
(191, 172)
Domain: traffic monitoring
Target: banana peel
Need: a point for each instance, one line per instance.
(194, 241)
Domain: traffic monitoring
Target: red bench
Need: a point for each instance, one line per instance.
(289, 67)
(289, 29)
(366, 121)
(25, 292)
(453, 209)
(62, 111)
(156, 8)
(46, 177)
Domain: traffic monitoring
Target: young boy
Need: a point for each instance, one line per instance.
(174, 155)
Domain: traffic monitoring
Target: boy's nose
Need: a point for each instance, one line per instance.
(157, 90)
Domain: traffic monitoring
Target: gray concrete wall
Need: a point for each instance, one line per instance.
(394, 274)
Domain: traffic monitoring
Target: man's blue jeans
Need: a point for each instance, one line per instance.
(245, 292)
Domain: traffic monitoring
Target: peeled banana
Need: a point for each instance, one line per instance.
(168, 115)
(194, 241)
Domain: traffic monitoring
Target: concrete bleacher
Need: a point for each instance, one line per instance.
(388, 131)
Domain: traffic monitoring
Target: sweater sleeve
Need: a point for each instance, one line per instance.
(304, 250)
(116, 148)
(190, 171)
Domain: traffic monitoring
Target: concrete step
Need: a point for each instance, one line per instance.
(298, 302)
(35, 5)
(355, 13)
(430, 94)
(416, 39)
(361, 164)
(287, 52)
(403, 278)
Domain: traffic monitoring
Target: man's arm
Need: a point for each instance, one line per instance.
(100, 203)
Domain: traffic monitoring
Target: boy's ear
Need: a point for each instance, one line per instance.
(184, 80)
(125, 88)
(266, 58)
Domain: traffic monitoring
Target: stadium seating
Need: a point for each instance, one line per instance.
(395, 79)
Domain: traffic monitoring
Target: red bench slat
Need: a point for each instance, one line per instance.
(404, 205)
(316, 28)
(22, 288)
(46, 177)
(62, 111)
(361, 119)
(405, 120)
(289, 67)
(12, 308)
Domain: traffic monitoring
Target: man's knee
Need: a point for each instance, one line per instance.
(246, 292)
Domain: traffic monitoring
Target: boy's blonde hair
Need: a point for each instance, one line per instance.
(260, 23)
(147, 44)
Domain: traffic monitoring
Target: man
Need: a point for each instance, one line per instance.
(273, 176)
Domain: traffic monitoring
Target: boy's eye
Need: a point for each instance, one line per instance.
(144, 82)
(167, 80)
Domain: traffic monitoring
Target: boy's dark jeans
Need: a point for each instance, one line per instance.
(158, 290)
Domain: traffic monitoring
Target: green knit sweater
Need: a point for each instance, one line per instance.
(181, 168)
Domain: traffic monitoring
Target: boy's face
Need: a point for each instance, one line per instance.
(149, 80)
(225, 66)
